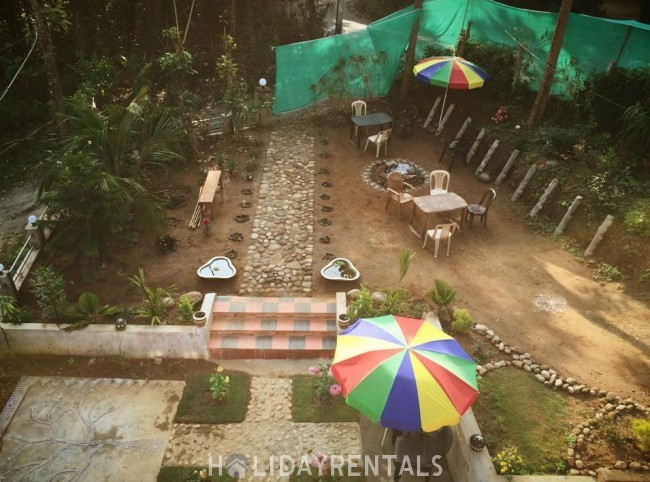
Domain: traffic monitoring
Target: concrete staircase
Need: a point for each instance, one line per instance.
(279, 328)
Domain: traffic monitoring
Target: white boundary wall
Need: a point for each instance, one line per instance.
(137, 341)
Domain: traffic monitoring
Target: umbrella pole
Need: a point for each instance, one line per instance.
(383, 439)
(442, 112)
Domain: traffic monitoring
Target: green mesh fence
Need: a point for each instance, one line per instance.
(365, 63)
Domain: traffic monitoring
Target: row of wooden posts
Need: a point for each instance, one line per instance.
(600, 233)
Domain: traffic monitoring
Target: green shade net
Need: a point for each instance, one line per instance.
(365, 63)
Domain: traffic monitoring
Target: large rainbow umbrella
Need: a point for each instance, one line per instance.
(450, 72)
(405, 373)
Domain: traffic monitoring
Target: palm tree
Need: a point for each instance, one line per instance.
(96, 183)
(443, 296)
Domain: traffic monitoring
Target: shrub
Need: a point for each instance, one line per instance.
(219, 384)
(637, 218)
(606, 273)
(462, 321)
(509, 462)
(49, 290)
(497, 60)
(641, 429)
(325, 386)
(443, 295)
(10, 311)
(363, 306)
(185, 309)
(87, 311)
(155, 307)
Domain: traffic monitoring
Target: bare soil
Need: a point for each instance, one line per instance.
(601, 338)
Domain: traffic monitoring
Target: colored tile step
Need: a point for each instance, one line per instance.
(273, 325)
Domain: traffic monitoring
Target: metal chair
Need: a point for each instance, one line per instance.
(406, 119)
(481, 209)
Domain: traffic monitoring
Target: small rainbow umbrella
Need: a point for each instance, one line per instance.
(450, 72)
(405, 373)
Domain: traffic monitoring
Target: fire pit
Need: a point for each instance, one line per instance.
(376, 173)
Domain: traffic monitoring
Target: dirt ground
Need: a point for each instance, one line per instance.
(601, 338)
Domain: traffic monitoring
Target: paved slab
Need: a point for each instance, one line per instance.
(85, 430)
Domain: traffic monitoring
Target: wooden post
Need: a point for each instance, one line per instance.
(462, 130)
(432, 112)
(472, 151)
(537, 112)
(517, 70)
(524, 183)
(540, 204)
(410, 55)
(7, 280)
(488, 155)
(506, 168)
(444, 120)
(600, 234)
(567, 217)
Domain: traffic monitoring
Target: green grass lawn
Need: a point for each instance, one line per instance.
(306, 409)
(514, 408)
(184, 474)
(197, 406)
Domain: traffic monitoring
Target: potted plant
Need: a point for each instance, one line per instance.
(200, 318)
(443, 295)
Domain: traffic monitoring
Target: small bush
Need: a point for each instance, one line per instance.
(606, 273)
(166, 243)
(10, 311)
(49, 290)
(509, 462)
(185, 309)
(637, 218)
(462, 321)
(325, 386)
(641, 429)
(219, 384)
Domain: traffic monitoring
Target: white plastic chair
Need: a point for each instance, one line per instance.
(440, 232)
(439, 181)
(378, 139)
(358, 107)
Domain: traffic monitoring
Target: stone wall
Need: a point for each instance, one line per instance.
(137, 341)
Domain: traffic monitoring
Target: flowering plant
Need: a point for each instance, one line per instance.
(321, 463)
(500, 116)
(509, 462)
(207, 227)
(219, 384)
(325, 385)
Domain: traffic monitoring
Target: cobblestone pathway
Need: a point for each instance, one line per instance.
(267, 431)
(280, 254)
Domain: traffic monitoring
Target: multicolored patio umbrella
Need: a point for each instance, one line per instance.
(450, 72)
(405, 373)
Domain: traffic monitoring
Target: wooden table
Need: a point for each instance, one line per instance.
(210, 187)
(369, 120)
(436, 204)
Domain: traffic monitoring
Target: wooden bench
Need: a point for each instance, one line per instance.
(213, 183)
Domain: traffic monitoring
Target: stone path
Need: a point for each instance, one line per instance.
(280, 254)
(267, 431)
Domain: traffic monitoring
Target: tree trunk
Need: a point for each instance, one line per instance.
(410, 55)
(544, 91)
(49, 59)
(195, 148)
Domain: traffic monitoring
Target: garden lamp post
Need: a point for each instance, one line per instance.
(34, 230)
(7, 280)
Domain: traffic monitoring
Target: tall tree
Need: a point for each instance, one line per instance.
(49, 58)
(537, 112)
(410, 55)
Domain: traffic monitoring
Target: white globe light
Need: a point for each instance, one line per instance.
(517, 127)
(2, 267)
(262, 81)
(31, 219)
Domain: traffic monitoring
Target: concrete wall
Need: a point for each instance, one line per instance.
(137, 341)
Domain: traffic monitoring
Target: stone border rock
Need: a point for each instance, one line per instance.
(611, 405)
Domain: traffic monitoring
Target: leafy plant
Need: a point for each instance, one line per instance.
(606, 273)
(405, 257)
(509, 462)
(219, 384)
(636, 127)
(11, 311)
(641, 429)
(462, 321)
(87, 311)
(49, 290)
(363, 306)
(325, 386)
(637, 218)
(185, 309)
(443, 295)
(155, 306)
